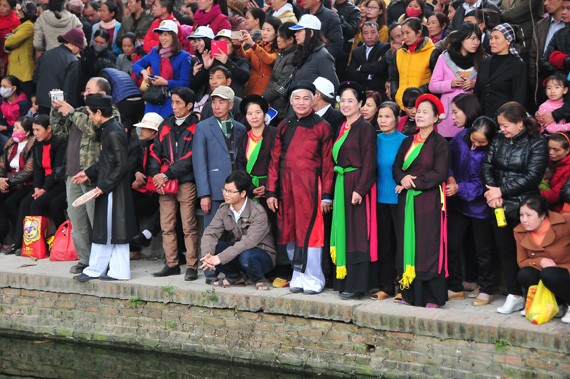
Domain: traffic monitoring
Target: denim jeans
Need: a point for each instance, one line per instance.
(254, 263)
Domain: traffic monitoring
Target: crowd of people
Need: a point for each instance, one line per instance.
(392, 149)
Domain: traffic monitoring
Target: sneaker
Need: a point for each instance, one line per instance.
(512, 304)
(523, 313)
(566, 318)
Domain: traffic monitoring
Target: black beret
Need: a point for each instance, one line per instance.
(99, 100)
(256, 99)
(302, 84)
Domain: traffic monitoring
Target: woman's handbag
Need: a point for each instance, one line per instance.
(283, 88)
(171, 186)
(155, 95)
(541, 304)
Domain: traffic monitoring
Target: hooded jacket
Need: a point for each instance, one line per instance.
(559, 178)
(48, 27)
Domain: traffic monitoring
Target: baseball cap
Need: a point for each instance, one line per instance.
(202, 32)
(307, 21)
(226, 33)
(167, 26)
(224, 92)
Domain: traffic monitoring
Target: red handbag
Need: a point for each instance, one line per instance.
(62, 248)
(34, 240)
(171, 186)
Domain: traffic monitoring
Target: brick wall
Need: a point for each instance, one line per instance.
(246, 327)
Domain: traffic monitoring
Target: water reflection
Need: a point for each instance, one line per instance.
(20, 357)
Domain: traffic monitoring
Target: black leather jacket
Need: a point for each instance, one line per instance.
(515, 165)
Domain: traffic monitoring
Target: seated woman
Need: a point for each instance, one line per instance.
(543, 243)
(14, 103)
(48, 197)
(16, 170)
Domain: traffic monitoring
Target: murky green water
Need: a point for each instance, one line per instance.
(20, 357)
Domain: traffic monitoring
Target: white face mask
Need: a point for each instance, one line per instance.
(6, 92)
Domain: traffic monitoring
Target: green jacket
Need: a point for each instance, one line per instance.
(90, 147)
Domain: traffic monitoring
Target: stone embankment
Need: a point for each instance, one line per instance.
(320, 334)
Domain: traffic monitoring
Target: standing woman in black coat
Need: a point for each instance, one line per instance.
(114, 211)
(512, 170)
(502, 76)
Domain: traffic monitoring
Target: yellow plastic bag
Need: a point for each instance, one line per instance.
(540, 304)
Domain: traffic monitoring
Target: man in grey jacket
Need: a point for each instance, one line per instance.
(248, 247)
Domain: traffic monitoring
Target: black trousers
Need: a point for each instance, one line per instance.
(507, 247)
(556, 279)
(51, 204)
(387, 215)
(9, 206)
(458, 226)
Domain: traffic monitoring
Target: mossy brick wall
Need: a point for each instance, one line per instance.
(264, 330)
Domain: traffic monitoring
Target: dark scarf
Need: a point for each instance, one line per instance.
(463, 62)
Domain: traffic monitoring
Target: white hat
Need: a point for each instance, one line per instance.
(150, 120)
(226, 33)
(167, 26)
(324, 86)
(202, 32)
(307, 21)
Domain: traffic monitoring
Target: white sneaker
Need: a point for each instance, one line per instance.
(523, 313)
(566, 318)
(511, 305)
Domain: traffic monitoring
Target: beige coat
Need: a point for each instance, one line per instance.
(252, 230)
(48, 27)
(556, 244)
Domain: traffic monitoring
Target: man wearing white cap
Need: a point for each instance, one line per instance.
(147, 130)
(330, 26)
(324, 98)
(161, 10)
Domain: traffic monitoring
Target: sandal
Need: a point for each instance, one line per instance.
(398, 298)
(262, 286)
(225, 283)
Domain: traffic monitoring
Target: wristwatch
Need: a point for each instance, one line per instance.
(165, 178)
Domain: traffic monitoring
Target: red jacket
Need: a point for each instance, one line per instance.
(151, 38)
(559, 178)
(7, 25)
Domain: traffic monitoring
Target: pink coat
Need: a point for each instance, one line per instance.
(440, 83)
(550, 106)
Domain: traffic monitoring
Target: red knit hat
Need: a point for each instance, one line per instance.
(435, 101)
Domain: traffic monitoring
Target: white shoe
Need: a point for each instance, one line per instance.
(523, 313)
(512, 304)
(566, 318)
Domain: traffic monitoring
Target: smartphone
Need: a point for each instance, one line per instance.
(219, 46)
(236, 35)
(152, 77)
(56, 95)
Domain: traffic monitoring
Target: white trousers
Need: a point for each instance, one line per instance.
(112, 259)
(313, 278)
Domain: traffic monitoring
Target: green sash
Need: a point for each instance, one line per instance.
(251, 162)
(338, 230)
(410, 226)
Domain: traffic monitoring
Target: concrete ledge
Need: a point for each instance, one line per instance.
(296, 331)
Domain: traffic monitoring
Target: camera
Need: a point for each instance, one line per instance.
(56, 95)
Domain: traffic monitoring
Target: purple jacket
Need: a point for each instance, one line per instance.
(466, 169)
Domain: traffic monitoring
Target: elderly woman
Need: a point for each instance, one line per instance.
(543, 243)
(420, 169)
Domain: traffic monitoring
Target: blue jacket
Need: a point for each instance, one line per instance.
(211, 157)
(122, 84)
(181, 68)
(465, 167)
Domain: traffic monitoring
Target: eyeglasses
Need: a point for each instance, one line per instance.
(225, 190)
